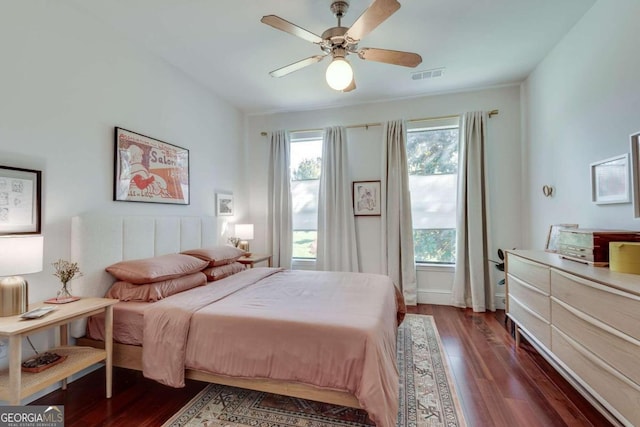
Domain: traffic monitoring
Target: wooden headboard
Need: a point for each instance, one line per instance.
(98, 241)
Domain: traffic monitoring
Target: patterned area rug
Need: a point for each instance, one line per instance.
(427, 394)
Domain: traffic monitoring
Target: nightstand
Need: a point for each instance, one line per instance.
(16, 385)
(254, 259)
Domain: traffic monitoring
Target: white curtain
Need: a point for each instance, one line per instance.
(337, 250)
(397, 227)
(471, 284)
(279, 215)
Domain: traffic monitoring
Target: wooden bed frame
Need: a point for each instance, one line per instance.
(100, 240)
(130, 357)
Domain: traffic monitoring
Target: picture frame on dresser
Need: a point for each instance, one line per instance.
(635, 173)
(610, 180)
(20, 200)
(149, 170)
(554, 234)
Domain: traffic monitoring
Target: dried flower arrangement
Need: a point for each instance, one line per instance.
(66, 271)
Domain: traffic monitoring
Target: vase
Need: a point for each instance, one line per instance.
(64, 293)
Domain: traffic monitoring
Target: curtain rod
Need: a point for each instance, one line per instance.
(368, 125)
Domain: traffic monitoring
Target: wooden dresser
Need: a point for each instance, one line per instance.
(585, 321)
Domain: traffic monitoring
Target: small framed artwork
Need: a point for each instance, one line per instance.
(224, 204)
(554, 234)
(610, 180)
(20, 199)
(366, 198)
(635, 172)
(149, 170)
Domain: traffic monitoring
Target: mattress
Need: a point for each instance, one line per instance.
(128, 323)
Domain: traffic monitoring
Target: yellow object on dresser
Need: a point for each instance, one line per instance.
(624, 257)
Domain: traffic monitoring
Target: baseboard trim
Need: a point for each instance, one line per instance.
(434, 296)
(443, 297)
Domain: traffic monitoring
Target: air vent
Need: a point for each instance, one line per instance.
(427, 74)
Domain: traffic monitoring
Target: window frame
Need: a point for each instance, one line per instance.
(435, 125)
(295, 138)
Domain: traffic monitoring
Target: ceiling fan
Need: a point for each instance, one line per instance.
(338, 42)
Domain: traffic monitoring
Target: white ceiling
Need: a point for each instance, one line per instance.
(223, 45)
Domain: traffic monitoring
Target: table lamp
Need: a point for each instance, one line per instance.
(18, 255)
(244, 232)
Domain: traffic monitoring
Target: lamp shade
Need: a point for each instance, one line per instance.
(18, 255)
(339, 74)
(244, 231)
(21, 254)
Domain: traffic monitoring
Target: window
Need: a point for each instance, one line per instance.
(432, 159)
(306, 162)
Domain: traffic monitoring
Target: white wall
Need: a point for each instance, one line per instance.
(582, 104)
(365, 161)
(65, 82)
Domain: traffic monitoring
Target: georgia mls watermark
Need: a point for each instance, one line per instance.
(32, 416)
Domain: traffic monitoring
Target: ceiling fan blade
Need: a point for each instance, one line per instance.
(296, 66)
(396, 57)
(351, 86)
(286, 26)
(377, 13)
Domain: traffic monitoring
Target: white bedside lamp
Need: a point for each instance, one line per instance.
(244, 232)
(18, 255)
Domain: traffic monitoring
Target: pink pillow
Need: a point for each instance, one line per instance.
(218, 255)
(151, 292)
(222, 271)
(156, 269)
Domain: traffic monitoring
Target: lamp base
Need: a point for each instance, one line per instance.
(244, 245)
(14, 296)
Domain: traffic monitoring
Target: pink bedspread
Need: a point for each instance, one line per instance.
(327, 329)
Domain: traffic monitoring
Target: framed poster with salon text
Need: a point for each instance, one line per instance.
(149, 170)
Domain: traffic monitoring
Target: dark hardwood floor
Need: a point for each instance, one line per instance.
(498, 384)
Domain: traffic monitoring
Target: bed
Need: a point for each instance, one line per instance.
(317, 335)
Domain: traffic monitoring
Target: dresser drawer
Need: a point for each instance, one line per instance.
(530, 321)
(535, 274)
(621, 394)
(618, 350)
(615, 308)
(532, 297)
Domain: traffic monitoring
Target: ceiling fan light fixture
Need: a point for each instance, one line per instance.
(339, 74)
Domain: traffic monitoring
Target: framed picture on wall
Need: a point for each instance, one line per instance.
(149, 170)
(635, 173)
(366, 198)
(610, 180)
(20, 199)
(224, 204)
